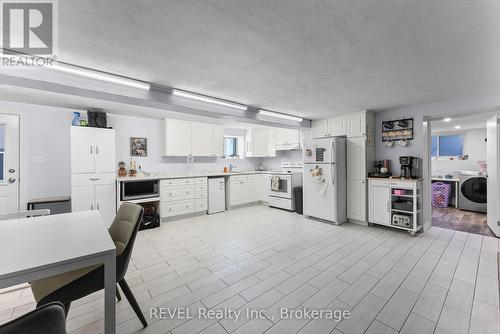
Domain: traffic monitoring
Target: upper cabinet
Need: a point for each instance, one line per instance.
(176, 137)
(287, 139)
(351, 125)
(92, 150)
(184, 138)
(261, 142)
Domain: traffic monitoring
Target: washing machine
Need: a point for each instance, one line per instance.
(472, 194)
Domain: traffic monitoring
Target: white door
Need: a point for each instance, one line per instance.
(218, 140)
(356, 152)
(260, 146)
(9, 163)
(201, 140)
(356, 200)
(380, 201)
(82, 198)
(493, 188)
(104, 147)
(105, 202)
(82, 149)
(235, 192)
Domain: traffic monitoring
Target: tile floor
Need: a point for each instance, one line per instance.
(263, 259)
(461, 220)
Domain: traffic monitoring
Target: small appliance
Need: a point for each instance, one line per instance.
(381, 168)
(410, 167)
(139, 189)
(216, 195)
(402, 220)
(97, 119)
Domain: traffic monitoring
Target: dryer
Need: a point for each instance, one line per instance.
(472, 194)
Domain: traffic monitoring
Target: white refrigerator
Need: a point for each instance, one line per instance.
(325, 186)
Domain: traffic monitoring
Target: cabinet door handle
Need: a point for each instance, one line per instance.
(97, 150)
(97, 206)
(91, 149)
(91, 206)
(388, 205)
(94, 179)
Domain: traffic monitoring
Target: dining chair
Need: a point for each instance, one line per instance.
(47, 319)
(70, 286)
(24, 214)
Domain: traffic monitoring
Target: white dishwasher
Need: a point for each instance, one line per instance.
(216, 195)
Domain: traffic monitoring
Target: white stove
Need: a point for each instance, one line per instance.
(280, 184)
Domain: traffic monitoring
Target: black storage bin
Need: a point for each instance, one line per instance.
(297, 193)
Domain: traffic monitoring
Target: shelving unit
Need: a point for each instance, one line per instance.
(396, 203)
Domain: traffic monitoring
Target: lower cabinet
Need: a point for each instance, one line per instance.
(183, 196)
(380, 205)
(244, 189)
(94, 191)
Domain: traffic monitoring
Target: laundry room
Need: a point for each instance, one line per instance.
(459, 165)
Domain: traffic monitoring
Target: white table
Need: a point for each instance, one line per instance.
(39, 247)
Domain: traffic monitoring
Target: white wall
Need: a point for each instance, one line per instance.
(282, 156)
(473, 145)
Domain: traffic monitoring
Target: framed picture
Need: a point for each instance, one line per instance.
(138, 147)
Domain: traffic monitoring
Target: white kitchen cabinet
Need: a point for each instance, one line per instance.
(105, 202)
(260, 142)
(380, 205)
(177, 137)
(356, 200)
(287, 139)
(244, 189)
(183, 196)
(319, 128)
(93, 171)
(218, 140)
(337, 126)
(201, 140)
(92, 150)
(356, 125)
(82, 198)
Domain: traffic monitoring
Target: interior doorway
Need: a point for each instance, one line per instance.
(9, 163)
(459, 173)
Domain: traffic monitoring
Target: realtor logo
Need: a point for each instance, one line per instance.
(28, 27)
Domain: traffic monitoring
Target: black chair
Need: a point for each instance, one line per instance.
(76, 284)
(47, 319)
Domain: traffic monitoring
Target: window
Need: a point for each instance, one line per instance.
(231, 147)
(447, 146)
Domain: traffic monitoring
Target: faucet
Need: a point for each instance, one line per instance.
(231, 167)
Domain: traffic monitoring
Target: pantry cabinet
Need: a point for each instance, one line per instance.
(93, 171)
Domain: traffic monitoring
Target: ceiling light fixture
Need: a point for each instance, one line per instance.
(458, 127)
(208, 99)
(98, 75)
(447, 119)
(279, 115)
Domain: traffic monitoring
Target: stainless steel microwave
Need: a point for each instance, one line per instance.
(139, 189)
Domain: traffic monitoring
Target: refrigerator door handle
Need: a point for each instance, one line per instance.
(333, 174)
(332, 143)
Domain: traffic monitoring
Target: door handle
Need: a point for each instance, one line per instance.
(12, 170)
(94, 179)
(91, 206)
(91, 149)
(97, 206)
(12, 180)
(97, 150)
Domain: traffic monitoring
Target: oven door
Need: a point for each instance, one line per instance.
(279, 186)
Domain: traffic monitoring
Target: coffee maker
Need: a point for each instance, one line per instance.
(410, 167)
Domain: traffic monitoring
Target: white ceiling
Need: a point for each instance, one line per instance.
(475, 121)
(309, 58)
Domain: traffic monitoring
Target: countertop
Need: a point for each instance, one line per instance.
(392, 180)
(181, 175)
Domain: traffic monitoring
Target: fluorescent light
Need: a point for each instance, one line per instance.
(447, 119)
(458, 127)
(278, 115)
(208, 99)
(98, 75)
